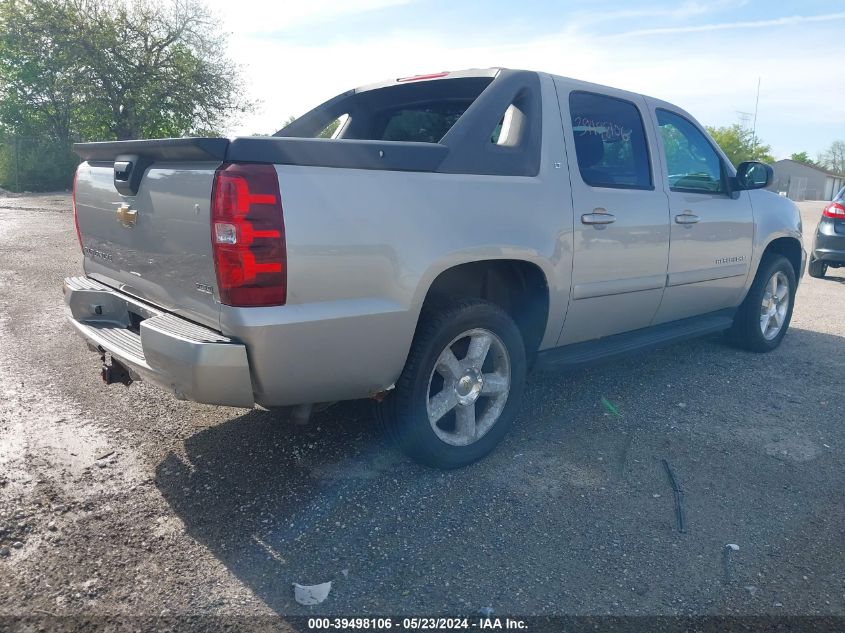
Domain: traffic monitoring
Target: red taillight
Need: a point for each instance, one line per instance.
(248, 236)
(73, 204)
(834, 210)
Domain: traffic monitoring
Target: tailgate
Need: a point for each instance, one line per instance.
(156, 243)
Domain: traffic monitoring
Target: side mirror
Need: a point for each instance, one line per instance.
(753, 175)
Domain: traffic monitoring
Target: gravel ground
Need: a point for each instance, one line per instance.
(125, 502)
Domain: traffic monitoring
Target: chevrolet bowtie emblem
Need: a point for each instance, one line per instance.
(126, 216)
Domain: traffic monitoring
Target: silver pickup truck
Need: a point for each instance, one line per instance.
(454, 231)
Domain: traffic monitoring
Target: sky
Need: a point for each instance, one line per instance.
(704, 56)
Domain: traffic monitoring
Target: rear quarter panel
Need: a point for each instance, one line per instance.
(364, 247)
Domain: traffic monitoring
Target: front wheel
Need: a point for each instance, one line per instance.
(763, 318)
(461, 387)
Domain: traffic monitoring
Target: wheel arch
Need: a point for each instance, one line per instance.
(519, 286)
(789, 247)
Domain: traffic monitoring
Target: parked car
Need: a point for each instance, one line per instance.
(452, 235)
(829, 242)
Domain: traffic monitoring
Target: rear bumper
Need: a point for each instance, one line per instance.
(191, 361)
(829, 245)
(830, 249)
(836, 256)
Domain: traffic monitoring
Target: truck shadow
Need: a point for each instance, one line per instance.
(254, 487)
(278, 503)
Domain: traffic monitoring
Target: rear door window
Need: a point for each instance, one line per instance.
(610, 142)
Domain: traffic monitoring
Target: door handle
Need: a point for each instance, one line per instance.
(598, 216)
(687, 217)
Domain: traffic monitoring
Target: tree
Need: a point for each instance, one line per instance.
(741, 144)
(330, 129)
(327, 132)
(833, 158)
(109, 69)
(802, 157)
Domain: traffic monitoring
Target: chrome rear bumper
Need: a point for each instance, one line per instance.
(189, 360)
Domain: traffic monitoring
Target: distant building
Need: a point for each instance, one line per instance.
(800, 181)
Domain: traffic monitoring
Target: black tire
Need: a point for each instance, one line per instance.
(405, 410)
(816, 268)
(746, 331)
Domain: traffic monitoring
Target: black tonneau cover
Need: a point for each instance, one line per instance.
(465, 149)
(313, 152)
(323, 152)
(159, 149)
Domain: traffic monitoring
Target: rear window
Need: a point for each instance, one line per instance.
(423, 124)
(421, 112)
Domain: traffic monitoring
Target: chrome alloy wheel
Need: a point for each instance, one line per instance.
(467, 396)
(775, 305)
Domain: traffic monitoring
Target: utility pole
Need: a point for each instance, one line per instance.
(744, 119)
(754, 126)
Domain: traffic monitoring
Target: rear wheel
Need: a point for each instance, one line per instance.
(461, 387)
(763, 318)
(817, 268)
